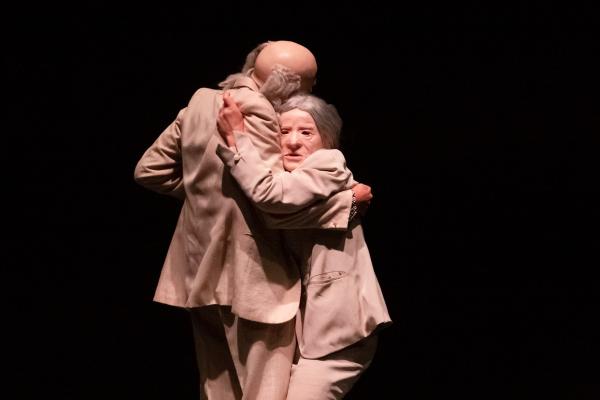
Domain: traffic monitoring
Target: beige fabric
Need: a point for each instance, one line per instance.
(343, 301)
(241, 359)
(331, 377)
(218, 376)
(221, 252)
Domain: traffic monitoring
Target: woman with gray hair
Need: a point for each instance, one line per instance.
(342, 307)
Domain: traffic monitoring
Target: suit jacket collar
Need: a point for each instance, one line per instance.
(246, 81)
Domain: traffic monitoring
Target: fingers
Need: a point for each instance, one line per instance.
(362, 193)
(228, 100)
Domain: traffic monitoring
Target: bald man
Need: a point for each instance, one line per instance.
(224, 264)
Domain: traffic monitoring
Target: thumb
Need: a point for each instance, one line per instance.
(227, 100)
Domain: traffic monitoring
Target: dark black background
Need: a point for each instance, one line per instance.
(477, 127)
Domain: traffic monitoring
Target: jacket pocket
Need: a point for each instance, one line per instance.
(326, 277)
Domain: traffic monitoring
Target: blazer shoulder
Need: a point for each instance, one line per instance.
(204, 93)
(252, 102)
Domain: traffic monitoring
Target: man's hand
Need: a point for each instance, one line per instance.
(230, 118)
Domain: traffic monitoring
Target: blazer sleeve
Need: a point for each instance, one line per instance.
(291, 199)
(160, 167)
(261, 124)
(332, 213)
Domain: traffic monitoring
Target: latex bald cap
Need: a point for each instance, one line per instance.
(291, 55)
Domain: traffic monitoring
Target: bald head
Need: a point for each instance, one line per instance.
(291, 55)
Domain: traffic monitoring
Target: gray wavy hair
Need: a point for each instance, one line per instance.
(326, 117)
(279, 85)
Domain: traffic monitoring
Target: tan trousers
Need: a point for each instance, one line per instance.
(240, 359)
(332, 376)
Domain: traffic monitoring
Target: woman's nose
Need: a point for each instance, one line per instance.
(293, 139)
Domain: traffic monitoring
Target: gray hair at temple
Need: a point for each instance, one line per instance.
(279, 85)
(325, 115)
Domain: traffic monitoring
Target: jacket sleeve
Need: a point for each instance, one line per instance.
(160, 167)
(262, 126)
(297, 199)
(332, 213)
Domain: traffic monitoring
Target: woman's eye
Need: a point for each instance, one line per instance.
(284, 132)
(306, 133)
